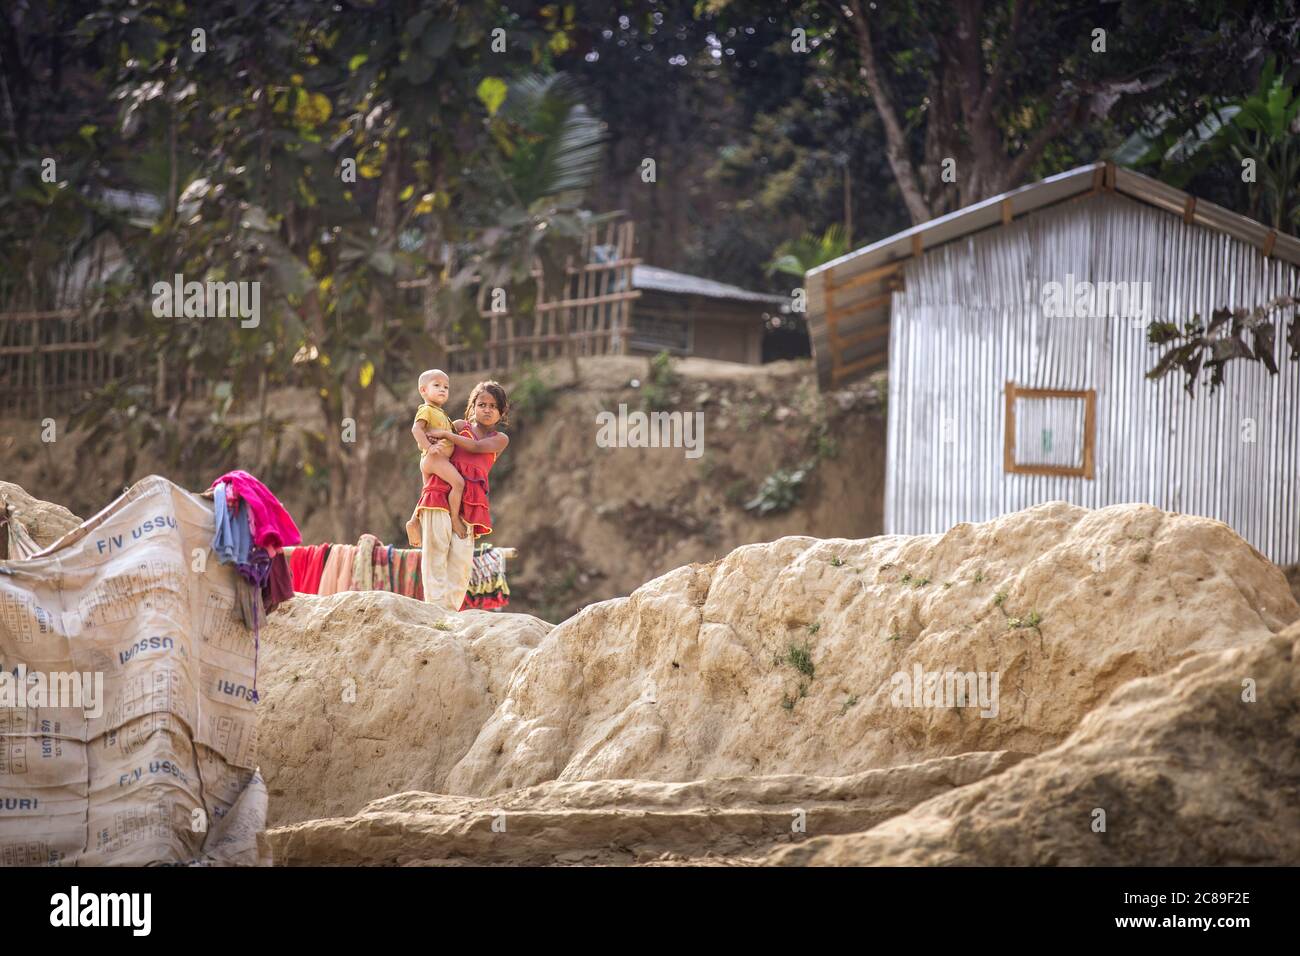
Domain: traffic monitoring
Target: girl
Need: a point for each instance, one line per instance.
(446, 559)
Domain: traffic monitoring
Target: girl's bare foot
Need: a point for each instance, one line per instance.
(458, 526)
(413, 532)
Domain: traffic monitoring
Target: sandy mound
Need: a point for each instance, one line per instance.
(418, 696)
(1187, 772)
(693, 676)
(769, 682)
(697, 674)
(45, 522)
(623, 821)
(1293, 578)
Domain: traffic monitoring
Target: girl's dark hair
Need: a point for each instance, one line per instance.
(496, 391)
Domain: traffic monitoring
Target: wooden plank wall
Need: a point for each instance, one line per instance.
(856, 338)
(590, 315)
(49, 359)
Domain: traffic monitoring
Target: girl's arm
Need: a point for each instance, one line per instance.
(495, 443)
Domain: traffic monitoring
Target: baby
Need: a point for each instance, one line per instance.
(435, 458)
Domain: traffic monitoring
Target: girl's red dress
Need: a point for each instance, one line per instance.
(474, 467)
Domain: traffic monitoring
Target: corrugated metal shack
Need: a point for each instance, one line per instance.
(996, 405)
(689, 315)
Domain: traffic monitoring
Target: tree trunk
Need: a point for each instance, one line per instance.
(377, 307)
(961, 116)
(332, 412)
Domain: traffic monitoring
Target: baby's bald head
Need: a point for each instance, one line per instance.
(435, 386)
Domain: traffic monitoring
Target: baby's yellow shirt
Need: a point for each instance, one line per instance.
(431, 416)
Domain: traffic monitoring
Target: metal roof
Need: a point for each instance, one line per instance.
(1054, 189)
(664, 280)
(995, 405)
(849, 297)
(131, 201)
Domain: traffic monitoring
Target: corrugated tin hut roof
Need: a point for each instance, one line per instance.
(664, 280)
(849, 297)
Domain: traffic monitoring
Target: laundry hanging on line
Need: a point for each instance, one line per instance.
(370, 565)
(488, 589)
(250, 529)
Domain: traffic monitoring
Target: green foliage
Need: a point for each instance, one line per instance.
(796, 256)
(661, 379)
(827, 447)
(852, 699)
(1257, 129)
(1032, 620)
(1257, 137)
(246, 146)
(778, 492)
(530, 395)
(800, 658)
(735, 492)
(546, 150)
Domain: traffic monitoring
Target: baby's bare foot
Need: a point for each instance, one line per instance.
(458, 526)
(413, 532)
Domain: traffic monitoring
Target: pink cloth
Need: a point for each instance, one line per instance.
(337, 575)
(269, 523)
(329, 577)
(345, 571)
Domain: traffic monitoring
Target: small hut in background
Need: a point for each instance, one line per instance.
(997, 402)
(613, 304)
(686, 315)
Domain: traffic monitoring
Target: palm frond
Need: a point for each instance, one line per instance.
(553, 144)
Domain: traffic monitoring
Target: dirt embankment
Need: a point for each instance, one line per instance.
(590, 522)
(1199, 765)
(1056, 686)
(593, 523)
(727, 709)
(1293, 578)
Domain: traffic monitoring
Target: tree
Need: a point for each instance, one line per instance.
(1256, 136)
(272, 110)
(975, 96)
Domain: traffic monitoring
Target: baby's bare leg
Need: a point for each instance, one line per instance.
(427, 463)
(445, 470)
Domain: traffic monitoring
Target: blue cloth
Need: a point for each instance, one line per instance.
(231, 540)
